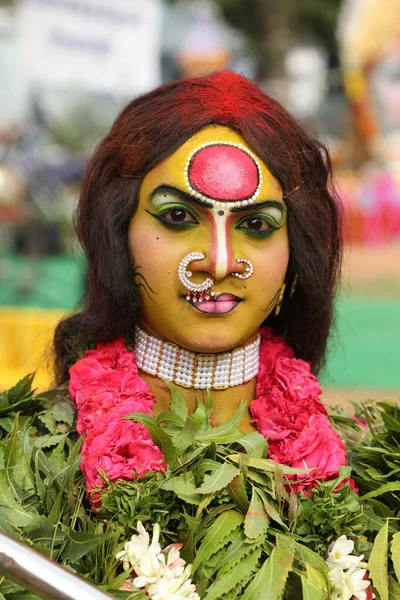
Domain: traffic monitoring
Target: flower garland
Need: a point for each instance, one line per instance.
(105, 386)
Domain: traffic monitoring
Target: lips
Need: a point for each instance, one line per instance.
(219, 305)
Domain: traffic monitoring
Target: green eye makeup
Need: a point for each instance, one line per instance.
(259, 226)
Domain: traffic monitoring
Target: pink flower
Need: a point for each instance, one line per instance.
(286, 398)
(121, 449)
(104, 378)
(271, 347)
(99, 405)
(113, 355)
(318, 447)
(105, 386)
(111, 366)
(361, 422)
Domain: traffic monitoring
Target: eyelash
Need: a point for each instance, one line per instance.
(184, 225)
(175, 226)
(273, 226)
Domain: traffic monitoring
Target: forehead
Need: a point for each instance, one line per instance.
(217, 166)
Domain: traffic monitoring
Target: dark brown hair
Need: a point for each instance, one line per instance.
(149, 129)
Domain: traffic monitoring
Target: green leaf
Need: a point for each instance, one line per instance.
(270, 509)
(270, 581)
(372, 521)
(170, 418)
(200, 417)
(394, 589)
(12, 511)
(221, 528)
(254, 443)
(378, 562)
(219, 479)
(80, 543)
(391, 424)
(393, 486)
(186, 437)
(310, 587)
(268, 465)
(395, 556)
(178, 403)
(235, 551)
(256, 521)
(237, 491)
(304, 554)
(157, 434)
(17, 396)
(317, 580)
(184, 487)
(63, 412)
(229, 580)
(228, 431)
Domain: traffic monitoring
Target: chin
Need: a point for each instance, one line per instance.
(210, 342)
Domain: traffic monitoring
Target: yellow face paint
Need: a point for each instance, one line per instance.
(215, 196)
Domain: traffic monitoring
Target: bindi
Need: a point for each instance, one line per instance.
(223, 173)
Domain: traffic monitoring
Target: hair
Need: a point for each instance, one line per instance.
(151, 128)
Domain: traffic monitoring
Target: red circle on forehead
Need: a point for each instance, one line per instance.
(223, 172)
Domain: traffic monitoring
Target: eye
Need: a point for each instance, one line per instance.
(259, 226)
(256, 224)
(175, 217)
(178, 215)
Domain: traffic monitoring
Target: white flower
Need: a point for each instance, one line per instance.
(139, 546)
(148, 569)
(161, 573)
(347, 579)
(347, 585)
(174, 563)
(173, 588)
(339, 554)
(178, 588)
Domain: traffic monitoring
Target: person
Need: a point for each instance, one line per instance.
(213, 239)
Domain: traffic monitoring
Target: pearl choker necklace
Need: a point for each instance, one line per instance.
(191, 370)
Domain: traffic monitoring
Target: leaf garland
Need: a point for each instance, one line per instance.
(247, 536)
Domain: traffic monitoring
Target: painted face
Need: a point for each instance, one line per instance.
(216, 197)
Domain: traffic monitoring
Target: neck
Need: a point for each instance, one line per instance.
(230, 375)
(225, 402)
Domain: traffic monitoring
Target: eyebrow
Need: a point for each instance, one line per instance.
(256, 205)
(185, 196)
(181, 194)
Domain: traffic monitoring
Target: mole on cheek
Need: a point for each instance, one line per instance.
(157, 238)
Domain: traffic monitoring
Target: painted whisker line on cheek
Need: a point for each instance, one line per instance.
(141, 285)
(144, 284)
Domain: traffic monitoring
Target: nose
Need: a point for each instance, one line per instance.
(220, 259)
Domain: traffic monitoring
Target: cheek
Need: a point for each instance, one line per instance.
(153, 256)
(272, 269)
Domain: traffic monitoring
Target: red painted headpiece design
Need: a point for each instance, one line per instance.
(223, 173)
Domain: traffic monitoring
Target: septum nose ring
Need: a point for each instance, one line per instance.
(197, 292)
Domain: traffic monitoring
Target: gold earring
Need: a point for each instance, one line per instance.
(293, 287)
(278, 305)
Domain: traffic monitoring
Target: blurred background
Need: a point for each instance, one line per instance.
(67, 67)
